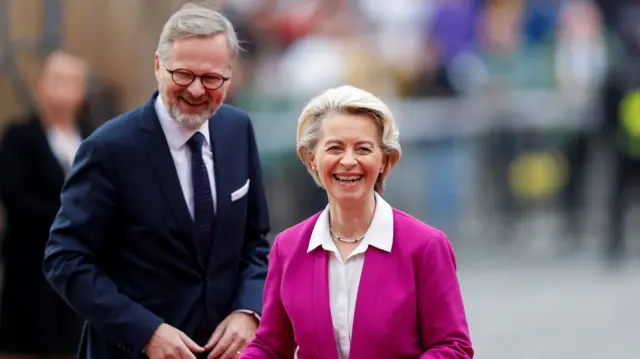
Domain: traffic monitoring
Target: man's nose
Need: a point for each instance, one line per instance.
(196, 89)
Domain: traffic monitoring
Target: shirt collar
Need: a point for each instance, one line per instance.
(177, 135)
(379, 234)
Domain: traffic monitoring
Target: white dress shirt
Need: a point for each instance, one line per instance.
(344, 276)
(177, 137)
(64, 146)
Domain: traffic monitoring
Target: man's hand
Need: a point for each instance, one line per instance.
(168, 342)
(232, 335)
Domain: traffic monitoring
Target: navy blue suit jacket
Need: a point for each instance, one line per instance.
(122, 250)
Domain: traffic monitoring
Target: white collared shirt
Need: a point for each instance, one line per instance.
(64, 146)
(177, 137)
(344, 276)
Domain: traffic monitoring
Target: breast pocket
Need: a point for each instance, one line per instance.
(240, 192)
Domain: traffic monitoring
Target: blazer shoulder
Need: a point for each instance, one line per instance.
(233, 117)
(20, 131)
(234, 113)
(420, 232)
(424, 242)
(118, 129)
(297, 235)
(15, 129)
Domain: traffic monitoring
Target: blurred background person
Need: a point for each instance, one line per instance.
(581, 62)
(35, 158)
(621, 126)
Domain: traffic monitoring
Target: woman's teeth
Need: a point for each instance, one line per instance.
(347, 178)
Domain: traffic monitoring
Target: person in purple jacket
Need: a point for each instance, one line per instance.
(360, 279)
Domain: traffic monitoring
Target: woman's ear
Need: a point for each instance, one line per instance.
(389, 162)
(307, 158)
(312, 161)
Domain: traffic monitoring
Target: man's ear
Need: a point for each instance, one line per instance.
(156, 67)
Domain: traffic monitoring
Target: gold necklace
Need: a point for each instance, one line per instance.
(351, 241)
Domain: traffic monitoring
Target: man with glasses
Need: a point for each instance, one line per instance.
(160, 240)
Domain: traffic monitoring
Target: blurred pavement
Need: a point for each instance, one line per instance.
(561, 309)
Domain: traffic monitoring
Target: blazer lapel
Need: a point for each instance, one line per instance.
(366, 301)
(321, 306)
(166, 174)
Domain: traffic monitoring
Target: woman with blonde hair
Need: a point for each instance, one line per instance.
(359, 280)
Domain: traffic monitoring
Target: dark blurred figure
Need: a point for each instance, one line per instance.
(621, 105)
(610, 8)
(102, 103)
(35, 157)
(581, 62)
(243, 68)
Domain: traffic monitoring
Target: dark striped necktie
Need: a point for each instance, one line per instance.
(203, 212)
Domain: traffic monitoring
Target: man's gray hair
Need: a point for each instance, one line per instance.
(196, 20)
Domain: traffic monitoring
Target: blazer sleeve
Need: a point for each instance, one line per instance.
(78, 243)
(274, 337)
(443, 322)
(255, 248)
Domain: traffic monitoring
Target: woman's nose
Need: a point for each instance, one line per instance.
(348, 160)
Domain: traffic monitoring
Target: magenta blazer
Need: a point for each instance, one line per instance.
(409, 303)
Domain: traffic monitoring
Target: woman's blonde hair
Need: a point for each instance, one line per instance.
(350, 100)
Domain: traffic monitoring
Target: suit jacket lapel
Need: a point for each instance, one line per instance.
(366, 301)
(322, 306)
(166, 174)
(223, 162)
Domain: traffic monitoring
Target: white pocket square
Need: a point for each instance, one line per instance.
(241, 192)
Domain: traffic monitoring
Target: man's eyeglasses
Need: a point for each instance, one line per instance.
(184, 77)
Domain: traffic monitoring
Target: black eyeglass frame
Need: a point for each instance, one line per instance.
(194, 76)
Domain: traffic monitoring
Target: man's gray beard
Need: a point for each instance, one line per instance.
(190, 122)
